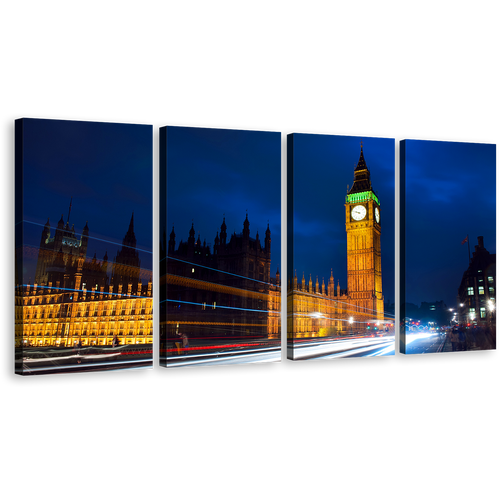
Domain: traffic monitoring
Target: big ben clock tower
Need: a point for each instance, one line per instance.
(364, 266)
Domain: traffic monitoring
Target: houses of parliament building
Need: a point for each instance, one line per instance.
(227, 289)
(77, 298)
(219, 291)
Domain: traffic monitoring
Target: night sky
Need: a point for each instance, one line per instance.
(450, 192)
(323, 167)
(214, 172)
(105, 167)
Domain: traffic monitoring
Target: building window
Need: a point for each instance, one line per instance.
(490, 279)
(483, 312)
(472, 311)
(491, 290)
(481, 290)
(470, 290)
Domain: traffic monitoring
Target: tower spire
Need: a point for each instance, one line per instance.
(69, 211)
(361, 175)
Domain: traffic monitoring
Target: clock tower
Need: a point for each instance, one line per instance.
(364, 263)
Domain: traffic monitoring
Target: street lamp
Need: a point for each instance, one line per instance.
(462, 316)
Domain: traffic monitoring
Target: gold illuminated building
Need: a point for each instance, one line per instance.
(364, 259)
(76, 298)
(329, 310)
(219, 292)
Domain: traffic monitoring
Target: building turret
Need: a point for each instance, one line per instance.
(191, 241)
(246, 231)
(268, 240)
(84, 240)
(223, 234)
(171, 242)
(129, 239)
(126, 266)
(45, 233)
(216, 243)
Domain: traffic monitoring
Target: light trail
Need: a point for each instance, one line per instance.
(221, 307)
(344, 348)
(141, 363)
(411, 337)
(335, 348)
(232, 357)
(218, 270)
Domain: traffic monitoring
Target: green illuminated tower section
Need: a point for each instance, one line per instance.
(364, 262)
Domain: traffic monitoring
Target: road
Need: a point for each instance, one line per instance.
(53, 362)
(424, 342)
(316, 348)
(42, 361)
(343, 347)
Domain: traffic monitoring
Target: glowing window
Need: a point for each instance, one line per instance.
(470, 290)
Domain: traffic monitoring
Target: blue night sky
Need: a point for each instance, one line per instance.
(323, 167)
(212, 172)
(105, 167)
(450, 192)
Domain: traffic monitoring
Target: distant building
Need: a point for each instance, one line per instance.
(477, 291)
(434, 312)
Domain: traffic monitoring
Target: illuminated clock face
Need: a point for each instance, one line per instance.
(358, 212)
(377, 214)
